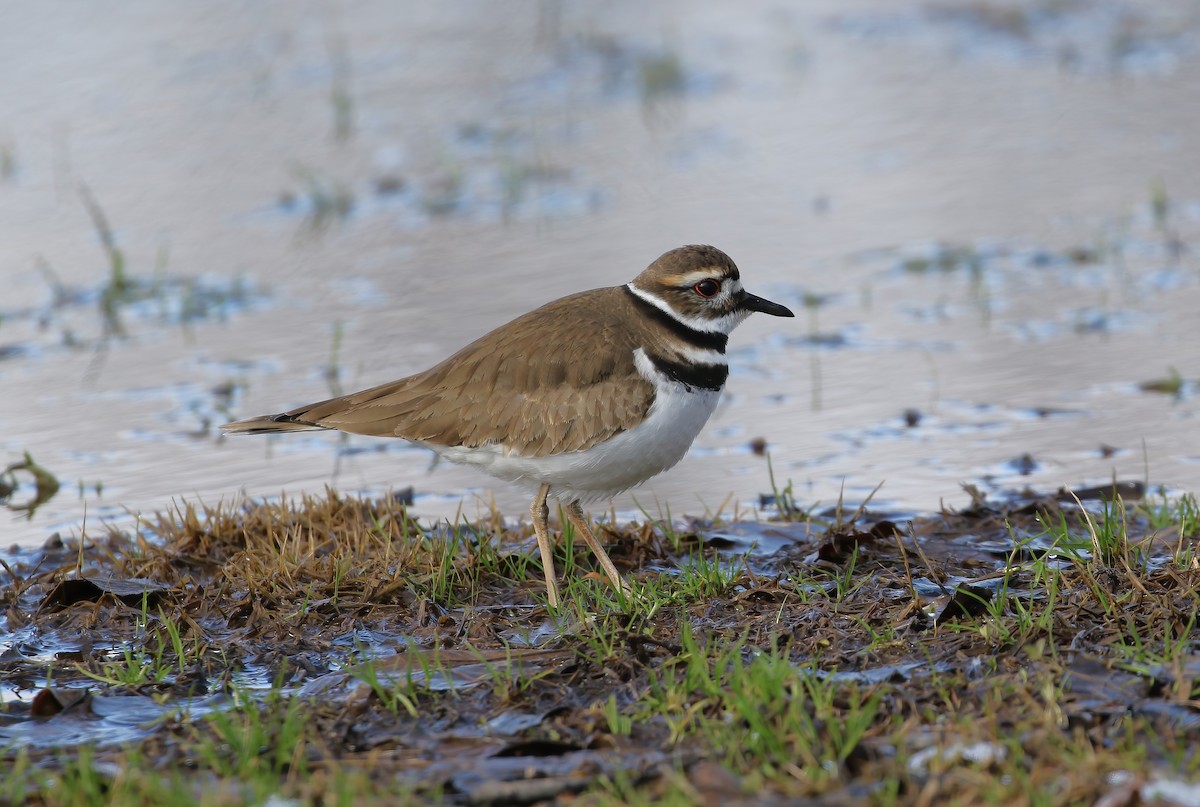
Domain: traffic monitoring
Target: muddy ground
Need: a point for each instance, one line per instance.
(332, 649)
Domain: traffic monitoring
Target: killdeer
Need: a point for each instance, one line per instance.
(582, 398)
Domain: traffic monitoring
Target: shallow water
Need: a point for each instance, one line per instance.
(988, 230)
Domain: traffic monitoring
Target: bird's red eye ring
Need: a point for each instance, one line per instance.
(707, 288)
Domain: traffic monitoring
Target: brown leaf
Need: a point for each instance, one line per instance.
(16, 618)
(715, 782)
(129, 590)
(967, 600)
(49, 702)
(839, 546)
(1129, 491)
(537, 748)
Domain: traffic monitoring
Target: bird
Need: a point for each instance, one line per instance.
(582, 398)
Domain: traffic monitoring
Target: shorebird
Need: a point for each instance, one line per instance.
(581, 399)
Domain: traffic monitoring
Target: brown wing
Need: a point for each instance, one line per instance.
(557, 379)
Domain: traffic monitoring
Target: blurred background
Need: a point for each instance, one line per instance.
(986, 215)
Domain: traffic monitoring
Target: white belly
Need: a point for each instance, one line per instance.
(631, 457)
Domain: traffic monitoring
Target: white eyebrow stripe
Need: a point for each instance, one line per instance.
(692, 278)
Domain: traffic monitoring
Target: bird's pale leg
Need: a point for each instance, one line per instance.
(541, 515)
(579, 521)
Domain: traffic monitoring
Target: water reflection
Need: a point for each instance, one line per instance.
(989, 218)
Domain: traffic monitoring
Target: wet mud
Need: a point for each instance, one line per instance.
(848, 655)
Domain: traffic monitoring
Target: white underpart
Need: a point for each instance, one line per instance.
(723, 324)
(631, 457)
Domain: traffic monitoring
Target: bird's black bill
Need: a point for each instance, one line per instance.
(752, 302)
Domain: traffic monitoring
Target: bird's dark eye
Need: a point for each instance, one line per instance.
(707, 288)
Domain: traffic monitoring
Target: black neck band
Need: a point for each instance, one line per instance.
(686, 333)
(693, 376)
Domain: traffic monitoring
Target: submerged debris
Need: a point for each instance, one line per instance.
(45, 485)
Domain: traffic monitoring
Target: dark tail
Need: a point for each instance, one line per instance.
(268, 424)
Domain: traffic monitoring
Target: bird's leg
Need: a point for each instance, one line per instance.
(540, 512)
(579, 521)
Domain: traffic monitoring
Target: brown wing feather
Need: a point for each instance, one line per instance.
(513, 387)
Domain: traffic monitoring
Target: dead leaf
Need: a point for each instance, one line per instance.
(129, 590)
(967, 600)
(50, 702)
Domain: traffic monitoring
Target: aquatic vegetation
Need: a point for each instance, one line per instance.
(45, 485)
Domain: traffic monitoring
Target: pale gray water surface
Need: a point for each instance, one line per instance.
(997, 207)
